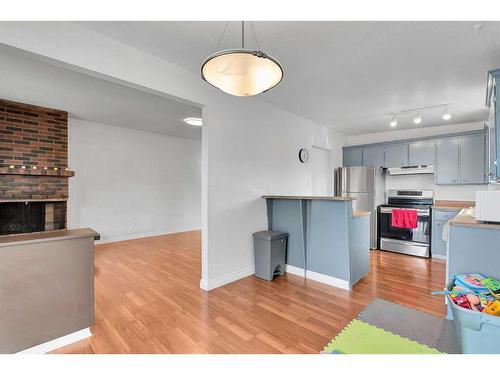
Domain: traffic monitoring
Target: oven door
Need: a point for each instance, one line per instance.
(419, 234)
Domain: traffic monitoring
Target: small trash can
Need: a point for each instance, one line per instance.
(477, 332)
(269, 253)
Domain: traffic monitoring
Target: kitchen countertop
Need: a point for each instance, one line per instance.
(466, 218)
(52, 235)
(327, 197)
(452, 205)
(360, 213)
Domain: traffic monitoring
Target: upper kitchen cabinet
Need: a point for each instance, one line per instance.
(493, 124)
(460, 158)
(473, 159)
(374, 156)
(421, 153)
(353, 157)
(396, 155)
(447, 160)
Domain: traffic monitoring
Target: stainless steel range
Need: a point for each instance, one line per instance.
(415, 241)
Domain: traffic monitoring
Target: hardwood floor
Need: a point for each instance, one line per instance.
(147, 300)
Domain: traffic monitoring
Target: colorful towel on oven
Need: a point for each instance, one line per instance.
(404, 218)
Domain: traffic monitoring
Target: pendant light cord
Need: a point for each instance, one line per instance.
(243, 34)
(222, 36)
(252, 29)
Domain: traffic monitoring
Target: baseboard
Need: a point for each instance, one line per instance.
(439, 256)
(137, 236)
(223, 280)
(58, 343)
(322, 278)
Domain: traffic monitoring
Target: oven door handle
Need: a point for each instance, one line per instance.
(388, 210)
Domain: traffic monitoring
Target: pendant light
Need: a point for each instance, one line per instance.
(242, 72)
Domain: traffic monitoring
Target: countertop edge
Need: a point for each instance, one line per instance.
(449, 208)
(360, 213)
(465, 218)
(309, 197)
(48, 236)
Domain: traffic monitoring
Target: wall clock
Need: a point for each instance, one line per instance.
(303, 155)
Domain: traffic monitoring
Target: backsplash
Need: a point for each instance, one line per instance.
(426, 182)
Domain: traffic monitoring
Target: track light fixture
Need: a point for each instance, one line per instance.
(417, 113)
(417, 120)
(446, 115)
(394, 121)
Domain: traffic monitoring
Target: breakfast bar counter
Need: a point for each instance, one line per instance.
(328, 241)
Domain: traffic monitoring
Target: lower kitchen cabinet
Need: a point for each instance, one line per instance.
(439, 218)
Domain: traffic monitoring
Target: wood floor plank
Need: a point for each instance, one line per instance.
(148, 300)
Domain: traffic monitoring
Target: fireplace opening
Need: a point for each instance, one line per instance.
(27, 217)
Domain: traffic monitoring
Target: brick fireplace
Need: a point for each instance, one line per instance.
(33, 168)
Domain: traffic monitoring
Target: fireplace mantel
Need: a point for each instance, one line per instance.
(18, 170)
(48, 200)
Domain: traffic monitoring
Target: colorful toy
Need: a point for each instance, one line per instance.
(475, 292)
(493, 286)
(472, 281)
(462, 301)
(493, 308)
(473, 299)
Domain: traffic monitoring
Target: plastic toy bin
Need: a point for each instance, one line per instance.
(478, 333)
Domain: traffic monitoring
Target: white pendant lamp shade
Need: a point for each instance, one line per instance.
(242, 72)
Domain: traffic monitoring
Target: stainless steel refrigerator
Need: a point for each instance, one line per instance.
(367, 185)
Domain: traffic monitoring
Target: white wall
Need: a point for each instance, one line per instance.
(249, 147)
(132, 183)
(321, 181)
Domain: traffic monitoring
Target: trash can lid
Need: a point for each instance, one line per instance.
(270, 235)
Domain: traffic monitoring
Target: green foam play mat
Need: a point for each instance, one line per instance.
(359, 337)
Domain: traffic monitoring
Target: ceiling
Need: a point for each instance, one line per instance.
(31, 81)
(346, 75)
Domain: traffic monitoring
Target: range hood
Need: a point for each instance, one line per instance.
(414, 169)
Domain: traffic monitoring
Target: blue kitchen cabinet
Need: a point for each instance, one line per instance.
(458, 159)
(421, 153)
(353, 157)
(447, 161)
(438, 246)
(473, 159)
(439, 218)
(374, 156)
(396, 155)
(493, 123)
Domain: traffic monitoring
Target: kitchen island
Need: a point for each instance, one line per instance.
(328, 241)
(473, 246)
(46, 289)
